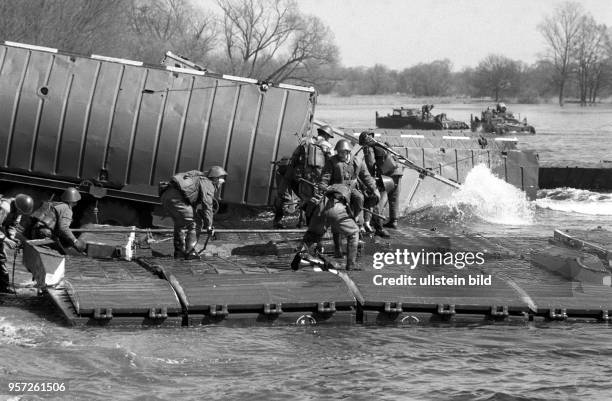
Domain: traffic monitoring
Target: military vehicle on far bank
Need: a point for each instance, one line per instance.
(500, 121)
(414, 118)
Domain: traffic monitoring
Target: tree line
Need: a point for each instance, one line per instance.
(273, 40)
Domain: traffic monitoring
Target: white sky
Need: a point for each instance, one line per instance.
(402, 33)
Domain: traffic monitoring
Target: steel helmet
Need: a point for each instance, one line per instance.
(71, 194)
(365, 137)
(342, 145)
(326, 130)
(24, 204)
(216, 172)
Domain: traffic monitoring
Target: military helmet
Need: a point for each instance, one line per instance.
(343, 145)
(216, 172)
(326, 130)
(71, 194)
(24, 204)
(365, 137)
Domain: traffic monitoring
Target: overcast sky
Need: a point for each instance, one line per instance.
(401, 33)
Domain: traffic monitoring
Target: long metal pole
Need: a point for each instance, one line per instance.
(170, 231)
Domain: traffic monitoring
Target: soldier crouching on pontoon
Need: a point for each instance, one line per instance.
(333, 211)
(11, 210)
(181, 198)
(53, 220)
(306, 163)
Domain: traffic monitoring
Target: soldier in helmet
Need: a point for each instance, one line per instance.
(333, 210)
(11, 211)
(343, 168)
(53, 220)
(189, 200)
(388, 173)
(306, 162)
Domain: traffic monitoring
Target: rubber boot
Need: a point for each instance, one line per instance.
(338, 246)
(192, 255)
(179, 244)
(352, 243)
(191, 241)
(381, 232)
(5, 281)
(278, 217)
(378, 228)
(392, 223)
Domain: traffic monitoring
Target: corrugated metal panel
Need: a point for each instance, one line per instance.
(69, 117)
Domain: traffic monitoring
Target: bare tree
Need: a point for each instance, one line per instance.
(431, 79)
(560, 32)
(589, 54)
(271, 39)
(160, 25)
(497, 75)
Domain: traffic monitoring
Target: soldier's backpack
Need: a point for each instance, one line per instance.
(189, 184)
(45, 214)
(310, 161)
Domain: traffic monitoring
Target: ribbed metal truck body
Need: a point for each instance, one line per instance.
(67, 118)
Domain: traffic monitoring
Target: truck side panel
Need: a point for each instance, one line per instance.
(68, 118)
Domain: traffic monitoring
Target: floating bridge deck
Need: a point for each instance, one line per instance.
(248, 281)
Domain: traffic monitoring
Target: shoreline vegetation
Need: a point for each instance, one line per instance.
(408, 100)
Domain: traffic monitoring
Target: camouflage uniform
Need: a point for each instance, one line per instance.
(53, 220)
(380, 162)
(337, 171)
(9, 219)
(333, 211)
(306, 162)
(186, 192)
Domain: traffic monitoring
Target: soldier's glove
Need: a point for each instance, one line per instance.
(11, 244)
(80, 245)
(376, 195)
(210, 231)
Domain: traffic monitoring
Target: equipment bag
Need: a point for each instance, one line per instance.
(46, 214)
(189, 184)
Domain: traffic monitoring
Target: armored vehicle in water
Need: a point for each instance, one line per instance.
(499, 120)
(414, 118)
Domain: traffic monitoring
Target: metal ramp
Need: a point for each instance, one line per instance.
(115, 293)
(243, 296)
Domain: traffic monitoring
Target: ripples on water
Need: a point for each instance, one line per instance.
(510, 361)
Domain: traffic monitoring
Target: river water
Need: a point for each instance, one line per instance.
(519, 361)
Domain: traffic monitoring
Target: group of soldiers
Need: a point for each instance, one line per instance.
(188, 198)
(344, 191)
(19, 220)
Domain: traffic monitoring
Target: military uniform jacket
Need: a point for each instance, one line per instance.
(338, 172)
(378, 160)
(64, 220)
(205, 198)
(8, 218)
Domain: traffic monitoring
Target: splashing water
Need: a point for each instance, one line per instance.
(489, 198)
(575, 201)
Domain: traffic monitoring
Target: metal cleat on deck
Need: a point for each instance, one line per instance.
(326, 307)
(273, 309)
(557, 314)
(446, 310)
(100, 315)
(218, 310)
(499, 311)
(393, 307)
(158, 313)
